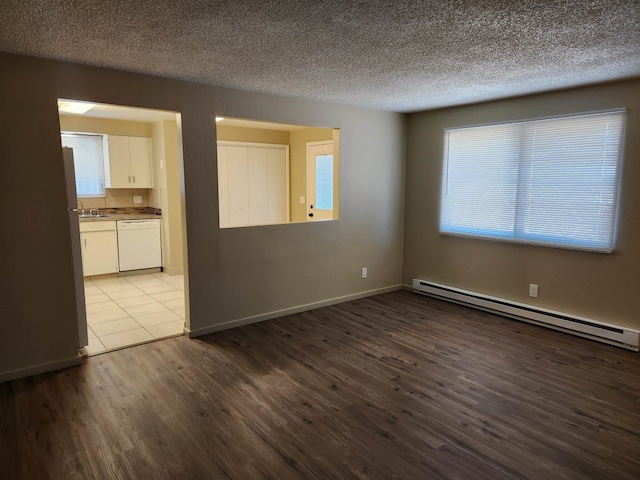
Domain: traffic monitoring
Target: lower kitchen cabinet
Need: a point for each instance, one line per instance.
(99, 248)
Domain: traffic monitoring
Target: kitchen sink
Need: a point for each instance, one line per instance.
(87, 215)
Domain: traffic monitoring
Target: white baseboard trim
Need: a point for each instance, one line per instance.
(43, 368)
(173, 271)
(128, 273)
(287, 311)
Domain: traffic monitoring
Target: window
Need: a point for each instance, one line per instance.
(88, 163)
(551, 182)
(324, 182)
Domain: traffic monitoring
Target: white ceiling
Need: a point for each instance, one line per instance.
(399, 55)
(239, 122)
(126, 113)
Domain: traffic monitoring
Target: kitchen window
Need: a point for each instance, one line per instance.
(550, 182)
(88, 162)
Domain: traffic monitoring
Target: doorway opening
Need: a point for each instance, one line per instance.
(263, 172)
(320, 181)
(124, 176)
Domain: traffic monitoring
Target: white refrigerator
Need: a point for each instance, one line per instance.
(74, 227)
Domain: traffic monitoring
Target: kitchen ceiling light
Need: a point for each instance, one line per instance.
(75, 107)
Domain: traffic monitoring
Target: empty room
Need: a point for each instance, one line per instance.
(323, 240)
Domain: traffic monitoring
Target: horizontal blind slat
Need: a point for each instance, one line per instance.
(88, 163)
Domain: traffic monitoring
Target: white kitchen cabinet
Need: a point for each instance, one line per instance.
(253, 184)
(127, 162)
(99, 248)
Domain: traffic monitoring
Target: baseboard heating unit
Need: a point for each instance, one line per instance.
(604, 332)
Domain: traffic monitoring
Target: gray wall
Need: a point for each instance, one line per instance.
(594, 285)
(232, 274)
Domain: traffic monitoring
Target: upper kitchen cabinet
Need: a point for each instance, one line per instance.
(127, 162)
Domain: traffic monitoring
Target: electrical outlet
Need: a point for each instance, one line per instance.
(301, 199)
(533, 290)
(137, 199)
(364, 272)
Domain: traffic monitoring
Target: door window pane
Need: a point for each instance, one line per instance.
(324, 182)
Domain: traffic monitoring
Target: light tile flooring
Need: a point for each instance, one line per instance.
(124, 311)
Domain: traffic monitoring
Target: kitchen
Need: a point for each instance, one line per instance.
(129, 204)
(127, 179)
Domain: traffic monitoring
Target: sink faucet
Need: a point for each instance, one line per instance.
(81, 206)
(96, 210)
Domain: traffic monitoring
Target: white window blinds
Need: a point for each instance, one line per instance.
(551, 182)
(88, 163)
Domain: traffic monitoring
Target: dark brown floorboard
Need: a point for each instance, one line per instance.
(393, 386)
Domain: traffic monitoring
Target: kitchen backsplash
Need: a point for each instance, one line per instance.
(117, 198)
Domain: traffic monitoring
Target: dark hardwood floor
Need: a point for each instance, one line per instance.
(393, 386)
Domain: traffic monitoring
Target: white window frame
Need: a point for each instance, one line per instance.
(513, 181)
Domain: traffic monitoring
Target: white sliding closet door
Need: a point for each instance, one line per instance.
(237, 187)
(278, 194)
(258, 186)
(253, 185)
(223, 185)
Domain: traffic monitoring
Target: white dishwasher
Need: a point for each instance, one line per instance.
(139, 244)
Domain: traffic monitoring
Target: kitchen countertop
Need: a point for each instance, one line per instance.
(111, 217)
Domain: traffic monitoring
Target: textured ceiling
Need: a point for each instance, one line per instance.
(398, 55)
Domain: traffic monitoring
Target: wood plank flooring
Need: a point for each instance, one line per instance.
(392, 386)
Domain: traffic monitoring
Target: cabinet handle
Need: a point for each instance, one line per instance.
(134, 179)
(129, 177)
(85, 242)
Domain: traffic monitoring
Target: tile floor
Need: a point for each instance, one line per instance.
(124, 311)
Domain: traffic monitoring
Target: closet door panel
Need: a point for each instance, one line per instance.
(277, 185)
(223, 185)
(258, 168)
(238, 176)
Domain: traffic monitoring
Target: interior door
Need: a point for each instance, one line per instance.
(258, 171)
(238, 186)
(76, 250)
(319, 181)
(277, 182)
(223, 186)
